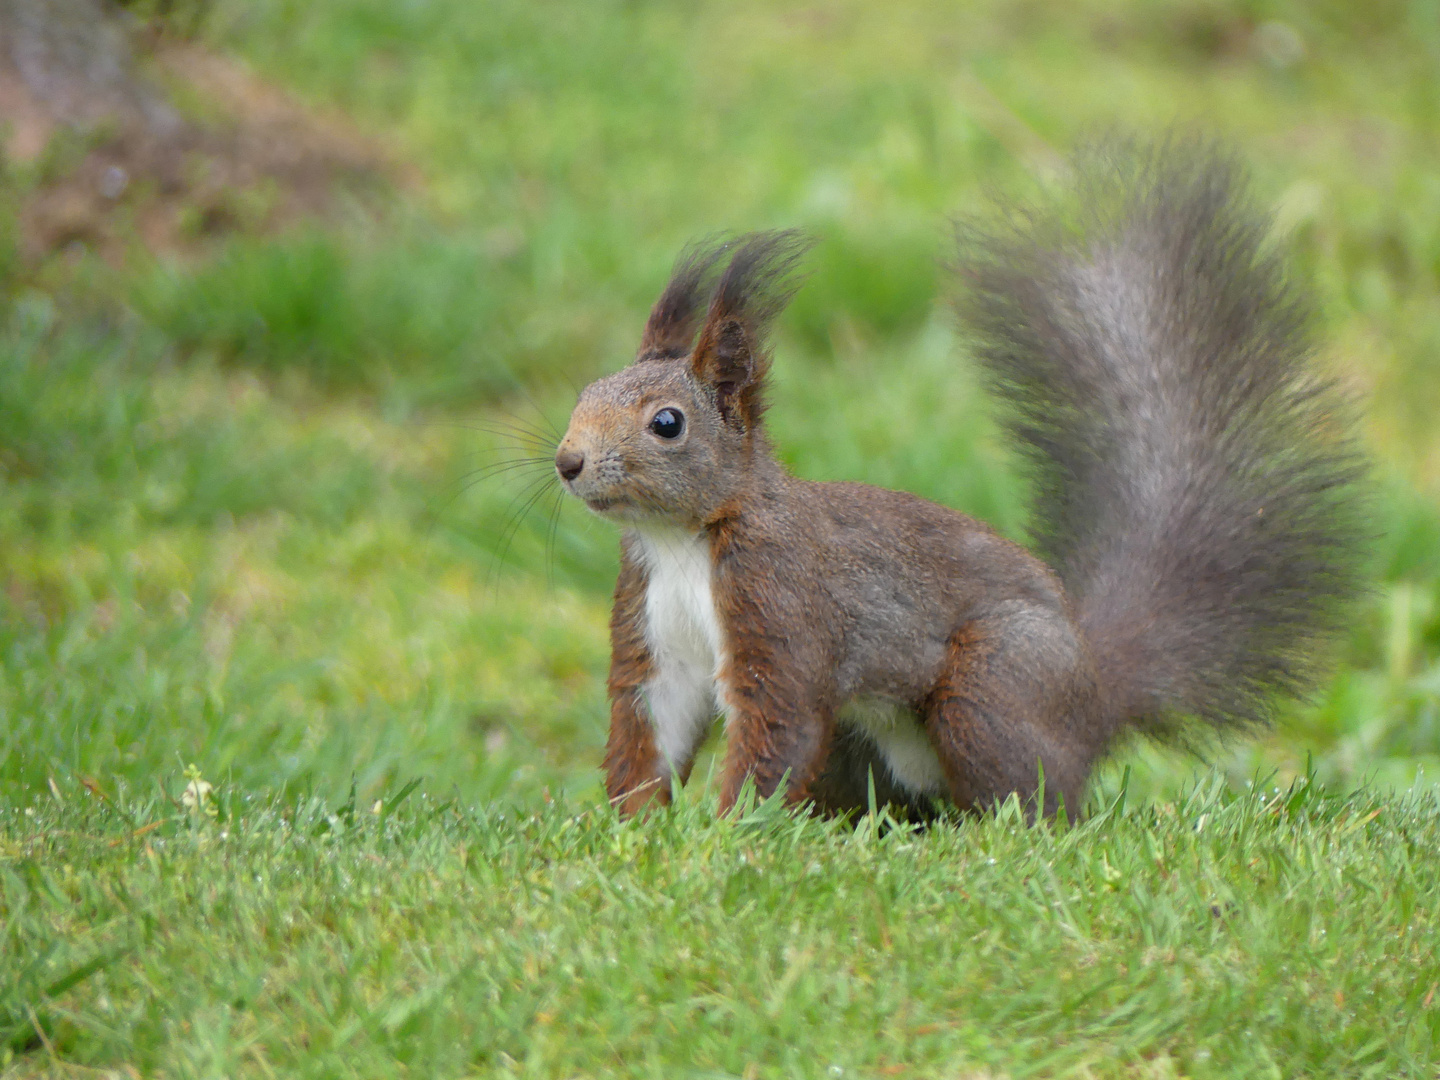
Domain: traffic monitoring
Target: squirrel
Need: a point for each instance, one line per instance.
(1195, 521)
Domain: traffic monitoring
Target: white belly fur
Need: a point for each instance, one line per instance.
(683, 634)
(904, 747)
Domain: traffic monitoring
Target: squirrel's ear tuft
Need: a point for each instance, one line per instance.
(670, 330)
(733, 352)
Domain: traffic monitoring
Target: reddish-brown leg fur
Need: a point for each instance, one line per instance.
(986, 716)
(635, 772)
(779, 721)
(767, 750)
(776, 723)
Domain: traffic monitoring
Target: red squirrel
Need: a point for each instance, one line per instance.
(1194, 516)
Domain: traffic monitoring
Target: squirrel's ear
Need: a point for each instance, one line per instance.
(673, 320)
(726, 360)
(732, 354)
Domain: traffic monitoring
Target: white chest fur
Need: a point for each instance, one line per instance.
(683, 633)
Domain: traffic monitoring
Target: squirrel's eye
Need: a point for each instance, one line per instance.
(668, 423)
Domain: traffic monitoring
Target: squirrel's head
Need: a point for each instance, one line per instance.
(670, 439)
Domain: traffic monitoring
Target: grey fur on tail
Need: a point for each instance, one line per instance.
(1195, 477)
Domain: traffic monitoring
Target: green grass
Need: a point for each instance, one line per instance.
(1274, 933)
(241, 526)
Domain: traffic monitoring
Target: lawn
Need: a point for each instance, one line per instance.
(258, 522)
(1273, 933)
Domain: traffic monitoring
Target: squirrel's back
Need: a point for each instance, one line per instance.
(1194, 475)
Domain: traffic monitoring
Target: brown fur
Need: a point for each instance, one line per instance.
(782, 708)
(675, 317)
(634, 773)
(858, 639)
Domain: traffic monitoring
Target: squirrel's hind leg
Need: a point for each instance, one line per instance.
(1016, 696)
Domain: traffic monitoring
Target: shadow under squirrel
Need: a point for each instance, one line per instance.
(1194, 512)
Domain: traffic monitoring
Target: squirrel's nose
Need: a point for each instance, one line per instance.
(568, 464)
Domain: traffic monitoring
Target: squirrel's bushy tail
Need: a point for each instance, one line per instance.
(1195, 476)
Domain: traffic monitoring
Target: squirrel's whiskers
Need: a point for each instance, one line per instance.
(527, 462)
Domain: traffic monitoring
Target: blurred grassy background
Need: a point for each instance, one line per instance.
(239, 522)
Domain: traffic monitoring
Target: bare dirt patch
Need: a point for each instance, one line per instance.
(111, 164)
